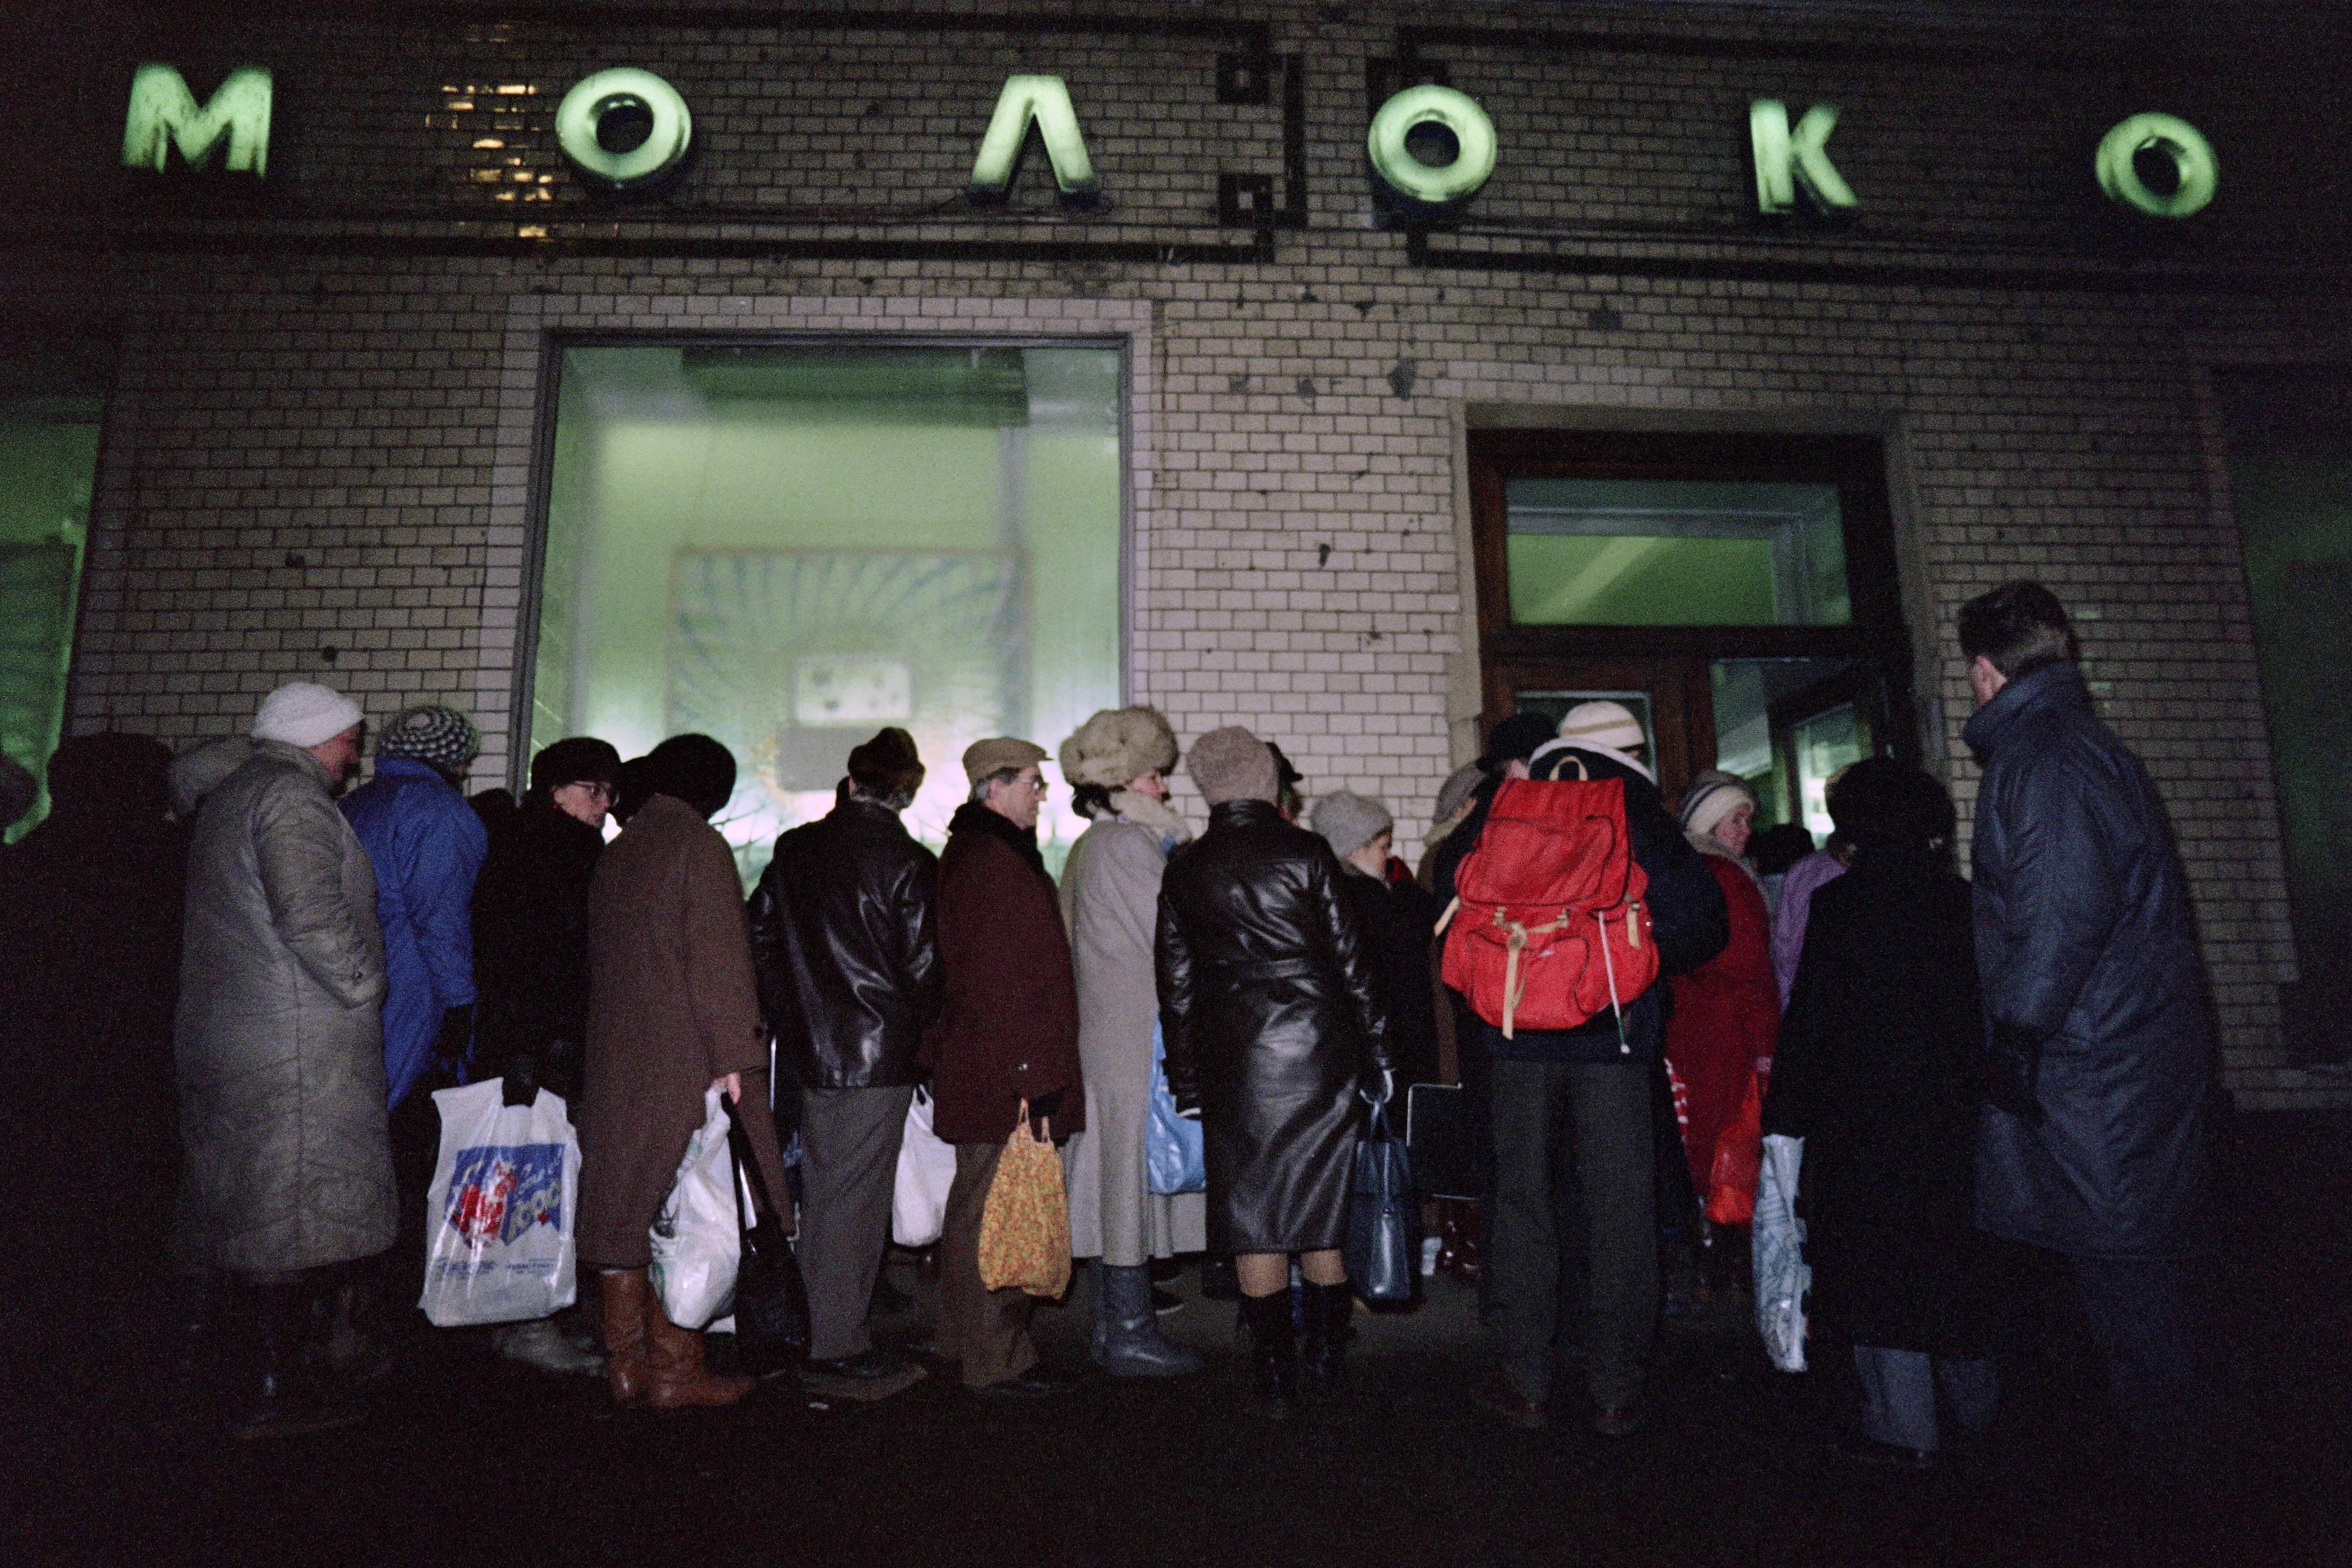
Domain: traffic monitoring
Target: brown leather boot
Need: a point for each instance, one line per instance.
(677, 1376)
(628, 1302)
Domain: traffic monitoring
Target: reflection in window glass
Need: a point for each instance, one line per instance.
(1674, 553)
(788, 547)
(49, 452)
(1822, 744)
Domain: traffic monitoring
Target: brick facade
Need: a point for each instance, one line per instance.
(319, 450)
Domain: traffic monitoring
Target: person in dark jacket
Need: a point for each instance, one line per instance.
(1008, 1036)
(845, 941)
(1398, 920)
(1878, 1072)
(531, 963)
(2093, 1144)
(1589, 1088)
(1272, 1027)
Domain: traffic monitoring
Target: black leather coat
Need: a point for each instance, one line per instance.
(845, 941)
(1272, 1019)
(2088, 949)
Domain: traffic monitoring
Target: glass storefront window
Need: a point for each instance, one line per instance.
(1674, 553)
(48, 454)
(1786, 725)
(789, 546)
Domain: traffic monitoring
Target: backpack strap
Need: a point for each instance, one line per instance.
(1439, 930)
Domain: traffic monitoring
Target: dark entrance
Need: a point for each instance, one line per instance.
(1736, 592)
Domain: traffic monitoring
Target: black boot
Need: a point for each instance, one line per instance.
(284, 1396)
(1273, 1353)
(1330, 1325)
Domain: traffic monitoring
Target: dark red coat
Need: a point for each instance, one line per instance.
(1726, 1017)
(1010, 1028)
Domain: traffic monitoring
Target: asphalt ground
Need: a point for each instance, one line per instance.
(466, 1459)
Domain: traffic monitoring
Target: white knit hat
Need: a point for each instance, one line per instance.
(1713, 796)
(1602, 723)
(305, 714)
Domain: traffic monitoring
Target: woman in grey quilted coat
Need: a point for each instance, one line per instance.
(279, 1040)
(1116, 764)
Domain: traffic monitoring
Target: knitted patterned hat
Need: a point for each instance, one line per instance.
(441, 737)
(1349, 821)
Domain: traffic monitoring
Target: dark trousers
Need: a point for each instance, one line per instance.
(2151, 1334)
(1602, 1110)
(987, 1330)
(849, 1168)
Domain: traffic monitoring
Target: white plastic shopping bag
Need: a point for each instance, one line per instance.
(918, 1205)
(696, 1245)
(500, 1248)
(1775, 1243)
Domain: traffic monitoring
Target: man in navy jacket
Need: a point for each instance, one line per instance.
(2100, 1064)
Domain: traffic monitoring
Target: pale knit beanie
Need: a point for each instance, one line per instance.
(1713, 796)
(305, 714)
(1602, 723)
(1231, 763)
(1349, 821)
(438, 736)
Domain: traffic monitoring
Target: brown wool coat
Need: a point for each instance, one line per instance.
(1010, 1029)
(671, 1005)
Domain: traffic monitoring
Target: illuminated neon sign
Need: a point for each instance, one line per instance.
(579, 117)
(2196, 172)
(164, 115)
(1787, 158)
(1433, 186)
(1045, 100)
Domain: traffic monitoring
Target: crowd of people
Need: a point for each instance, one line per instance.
(2020, 1060)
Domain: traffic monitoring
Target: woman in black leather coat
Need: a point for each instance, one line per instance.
(1273, 1024)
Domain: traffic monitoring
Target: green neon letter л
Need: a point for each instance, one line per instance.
(2192, 159)
(1433, 105)
(163, 111)
(593, 97)
(1046, 100)
(1785, 157)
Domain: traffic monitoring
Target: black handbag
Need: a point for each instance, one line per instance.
(1383, 1250)
(772, 1316)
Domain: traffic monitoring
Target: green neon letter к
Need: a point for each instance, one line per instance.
(164, 111)
(1430, 104)
(1784, 158)
(1046, 100)
(2192, 161)
(593, 97)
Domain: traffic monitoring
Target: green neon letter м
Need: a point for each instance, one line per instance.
(1046, 100)
(1784, 158)
(593, 97)
(164, 111)
(2192, 161)
(1430, 104)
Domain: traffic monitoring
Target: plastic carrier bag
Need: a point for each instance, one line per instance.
(1172, 1160)
(505, 1191)
(919, 1202)
(1024, 1222)
(696, 1245)
(1776, 1242)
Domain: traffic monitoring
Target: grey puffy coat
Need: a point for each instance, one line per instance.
(280, 1038)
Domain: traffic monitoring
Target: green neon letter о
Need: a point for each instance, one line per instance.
(2197, 170)
(1786, 158)
(1046, 100)
(624, 87)
(1474, 135)
(165, 112)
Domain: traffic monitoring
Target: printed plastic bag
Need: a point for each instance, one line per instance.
(1775, 1243)
(1172, 1161)
(1731, 1180)
(918, 1204)
(1025, 1223)
(500, 1248)
(695, 1243)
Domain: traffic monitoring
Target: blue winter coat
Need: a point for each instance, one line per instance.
(426, 845)
(2085, 941)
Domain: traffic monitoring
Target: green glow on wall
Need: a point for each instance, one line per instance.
(1433, 105)
(2192, 159)
(1786, 159)
(593, 97)
(1046, 100)
(163, 113)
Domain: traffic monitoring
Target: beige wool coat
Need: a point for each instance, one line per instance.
(671, 1005)
(1110, 901)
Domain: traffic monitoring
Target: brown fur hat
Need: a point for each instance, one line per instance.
(1117, 745)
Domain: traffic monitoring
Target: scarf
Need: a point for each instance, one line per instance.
(973, 817)
(1145, 811)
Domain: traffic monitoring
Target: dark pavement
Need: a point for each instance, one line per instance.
(468, 1459)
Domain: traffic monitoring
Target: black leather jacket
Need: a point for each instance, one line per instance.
(845, 941)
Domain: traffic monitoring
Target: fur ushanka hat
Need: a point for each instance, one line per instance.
(1116, 746)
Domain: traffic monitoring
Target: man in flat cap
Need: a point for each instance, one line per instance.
(1008, 1036)
(844, 944)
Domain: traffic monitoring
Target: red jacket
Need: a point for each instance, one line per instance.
(1010, 1028)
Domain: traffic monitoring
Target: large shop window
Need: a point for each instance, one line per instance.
(1736, 593)
(49, 452)
(789, 545)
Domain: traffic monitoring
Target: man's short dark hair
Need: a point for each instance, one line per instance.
(2017, 627)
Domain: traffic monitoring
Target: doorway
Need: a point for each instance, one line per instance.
(1737, 593)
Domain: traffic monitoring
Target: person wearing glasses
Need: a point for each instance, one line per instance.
(530, 963)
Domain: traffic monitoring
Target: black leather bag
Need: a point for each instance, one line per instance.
(772, 1316)
(1383, 1250)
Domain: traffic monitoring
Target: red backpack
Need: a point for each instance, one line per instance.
(1547, 924)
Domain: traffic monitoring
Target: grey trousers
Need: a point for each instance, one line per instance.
(850, 1167)
(1602, 1110)
(1898, 1394)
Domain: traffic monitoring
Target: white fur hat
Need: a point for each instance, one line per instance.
(1117, 745)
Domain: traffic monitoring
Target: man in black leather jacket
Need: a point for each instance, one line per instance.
(2102, 1044)
(845, 942)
